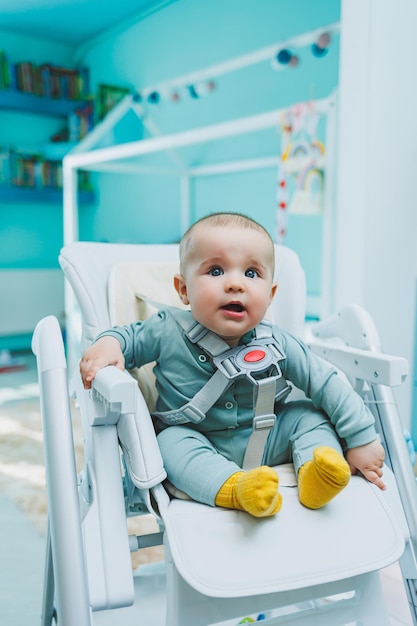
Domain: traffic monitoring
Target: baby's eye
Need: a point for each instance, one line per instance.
(251, 273)
(216, 271)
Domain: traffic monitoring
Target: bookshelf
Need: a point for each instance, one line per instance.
(12, 193)
(17, 101)
(29, 103)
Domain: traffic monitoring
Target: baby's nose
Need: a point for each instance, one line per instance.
(235, 282)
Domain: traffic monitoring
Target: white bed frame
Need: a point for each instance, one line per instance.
(119, 157)
(130, 158)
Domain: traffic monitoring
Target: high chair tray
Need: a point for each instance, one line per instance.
(296, 548)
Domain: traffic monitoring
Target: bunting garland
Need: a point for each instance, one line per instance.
(201, 84)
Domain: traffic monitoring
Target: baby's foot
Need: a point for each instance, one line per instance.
(322, 478)
(255, 492)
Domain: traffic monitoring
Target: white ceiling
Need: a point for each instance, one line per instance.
(71, 21)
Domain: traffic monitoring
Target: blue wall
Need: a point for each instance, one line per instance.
(186, 36)
(30, 234)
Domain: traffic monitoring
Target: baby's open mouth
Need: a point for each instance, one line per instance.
(234, 306)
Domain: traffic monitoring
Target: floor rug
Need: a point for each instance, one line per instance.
(22, 469)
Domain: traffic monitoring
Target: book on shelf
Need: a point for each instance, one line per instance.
(45, 80)
(80, 122)
(7, 72)
(4, 167)
(63, 83)
(30, 170)
(33, 171)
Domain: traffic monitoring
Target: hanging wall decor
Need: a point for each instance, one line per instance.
(284, 55)
(301, 173)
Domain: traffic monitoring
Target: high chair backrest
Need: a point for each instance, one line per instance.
(101, 274)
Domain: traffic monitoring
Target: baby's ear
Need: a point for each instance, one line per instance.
(274, 288)
(181, 288)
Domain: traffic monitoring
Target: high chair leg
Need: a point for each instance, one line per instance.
(66, 542)
(48, 607)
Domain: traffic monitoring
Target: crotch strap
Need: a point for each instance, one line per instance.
(261, 354)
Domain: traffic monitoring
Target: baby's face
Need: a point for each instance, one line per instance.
(228, 279)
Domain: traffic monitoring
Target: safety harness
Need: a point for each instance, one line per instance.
(262, 354)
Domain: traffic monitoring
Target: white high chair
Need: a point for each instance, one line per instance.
(301, 567)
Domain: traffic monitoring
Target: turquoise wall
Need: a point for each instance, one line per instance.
(186, 36)
(30, 233)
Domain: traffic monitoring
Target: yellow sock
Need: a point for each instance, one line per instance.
(323, 478)
(255, 492)
(226, 496)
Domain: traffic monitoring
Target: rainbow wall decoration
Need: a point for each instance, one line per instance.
(301, 175)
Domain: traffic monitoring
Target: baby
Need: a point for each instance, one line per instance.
(227, 280)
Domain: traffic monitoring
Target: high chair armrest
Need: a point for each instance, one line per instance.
(138, 441)
(118, 400)
(116, 390)
(373, 367)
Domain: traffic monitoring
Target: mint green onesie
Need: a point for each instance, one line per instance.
(199, 458)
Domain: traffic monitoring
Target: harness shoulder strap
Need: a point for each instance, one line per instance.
(199, 334)
(196, 409)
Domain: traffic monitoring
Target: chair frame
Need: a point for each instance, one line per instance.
(92, 535)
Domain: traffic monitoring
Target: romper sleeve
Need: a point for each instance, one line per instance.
(141, 341)
(321, 383)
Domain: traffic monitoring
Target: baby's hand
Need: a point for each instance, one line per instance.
(369, 460)
(105, 351)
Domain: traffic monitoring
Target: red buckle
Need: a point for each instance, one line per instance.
(254, 356)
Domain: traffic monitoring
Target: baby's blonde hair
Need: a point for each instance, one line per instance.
(222, 220)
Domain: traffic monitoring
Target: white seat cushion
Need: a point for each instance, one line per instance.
(354, 534)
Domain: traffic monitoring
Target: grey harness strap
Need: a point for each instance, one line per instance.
(259, 355)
